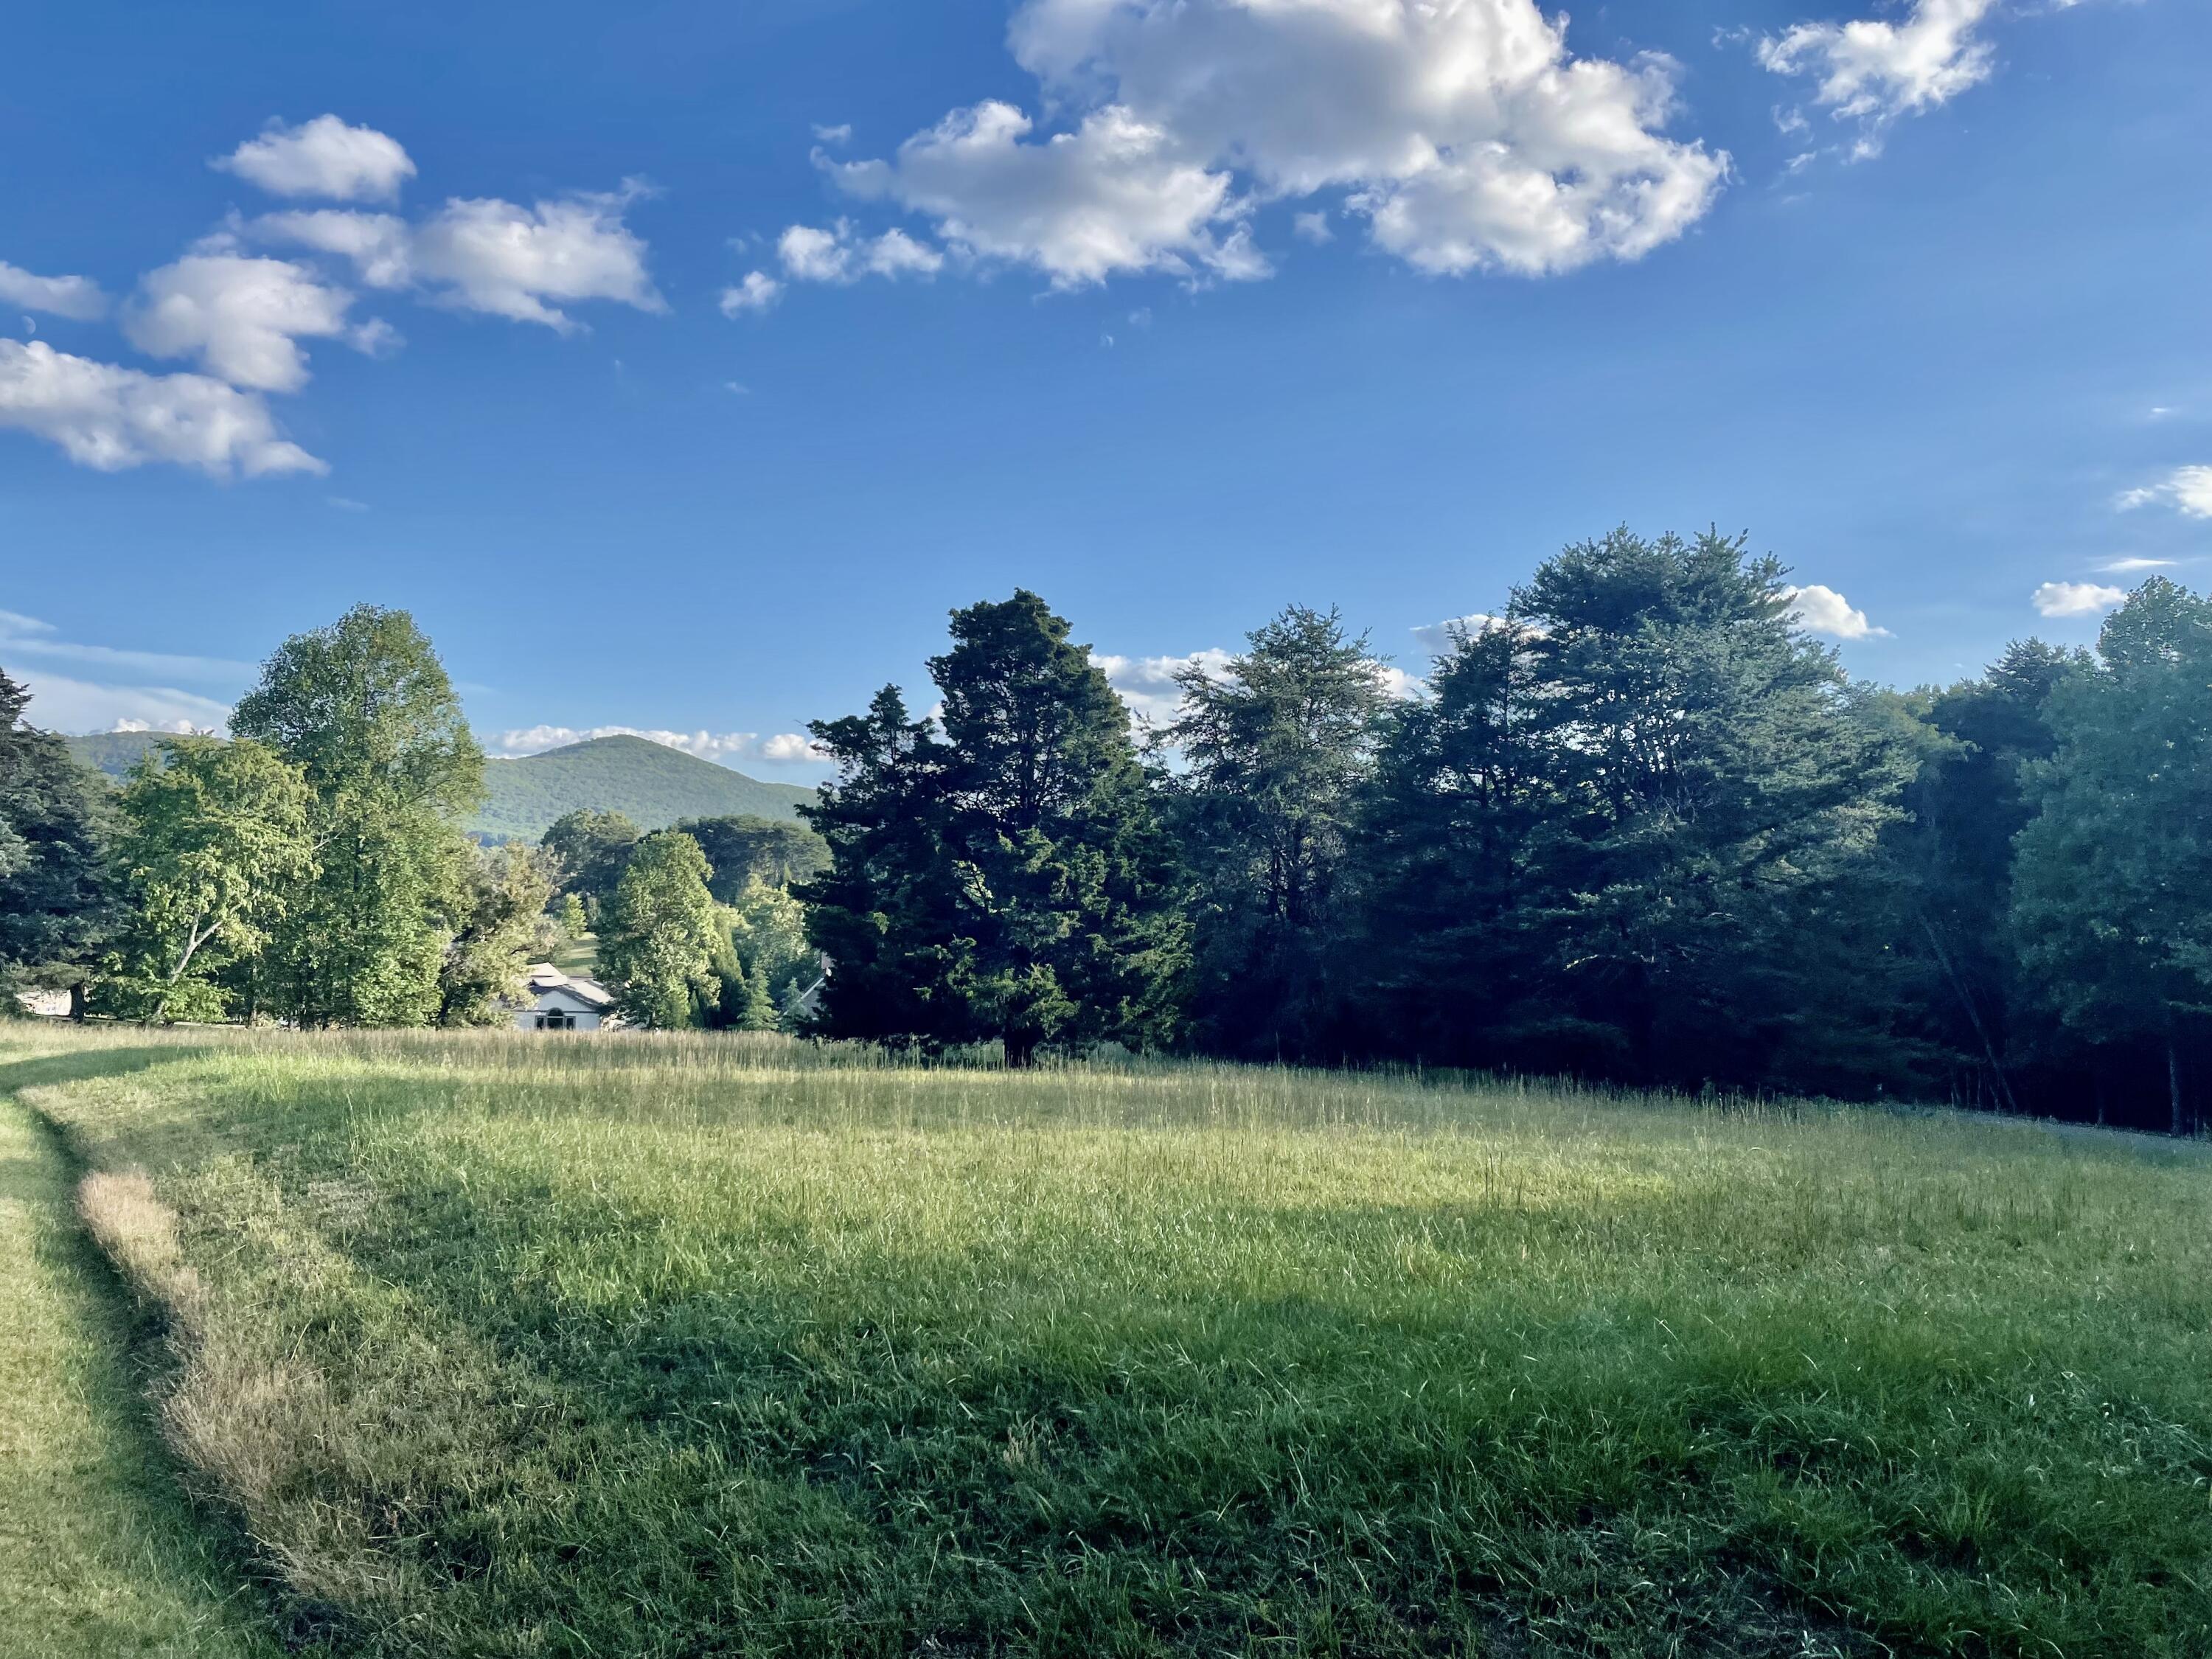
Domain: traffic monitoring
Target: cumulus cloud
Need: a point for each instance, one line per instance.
(1873, 71)
(1439, 639)
(322, 157)
(1821, 609)
(1462, 131)
(1147, 684)
(757, 292)
(841, 254)
(78, 298)
(243, 318)
(783, 748)
(487, 255)
(2076, 599)
(1312, 228)
(2187, 489)
(106, 416)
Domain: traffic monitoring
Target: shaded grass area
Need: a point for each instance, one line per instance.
(98, 1554)
(691, 1346)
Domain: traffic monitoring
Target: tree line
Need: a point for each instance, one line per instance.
(313, 869)
(1637, 826)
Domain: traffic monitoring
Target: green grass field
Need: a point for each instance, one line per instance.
(99, 1555)
(502, 1345)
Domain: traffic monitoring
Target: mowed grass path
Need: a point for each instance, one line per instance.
(99, 1556)
(685, 1346)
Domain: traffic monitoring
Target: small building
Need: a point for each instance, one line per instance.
(555, 1002)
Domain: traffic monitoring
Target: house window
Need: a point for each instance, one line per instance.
(556, 1019)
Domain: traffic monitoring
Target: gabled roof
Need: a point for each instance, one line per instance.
(544, 976)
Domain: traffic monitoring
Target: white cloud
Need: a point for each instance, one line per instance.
(1113, 197)
(2076, 599)
(491, 256)
(242, 318)
(1461, 130)
(61, 704)
(322, 157)
(840, 134)
(1312, 228)
(840, 254)
(1874, 71)
(1439, 639)
(110, 417)
(2121, 567)
(1147, 684)
(21, 636)
(757, 292)
(2187, 489)
(783, 748)
(75, 297)
(1821, 609)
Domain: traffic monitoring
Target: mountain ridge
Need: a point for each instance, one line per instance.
(652, 785)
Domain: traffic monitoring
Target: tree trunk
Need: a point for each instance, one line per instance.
(2174, 1082)
(77, 1002)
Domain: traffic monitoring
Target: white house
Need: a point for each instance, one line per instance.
(563, 1002)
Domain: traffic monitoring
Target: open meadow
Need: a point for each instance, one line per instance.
(660, 1346)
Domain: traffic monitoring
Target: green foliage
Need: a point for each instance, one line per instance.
(590, 849)
(723, 1345)
(2114, 870)
(744, 850)
(660, 934)
(649, 783)
(1008, 880)
(1274, 753)
(502, 927)
(768, 929)
(57, 881)
(1637, 811)
(216, 842)
(365, 710)
(573, 922)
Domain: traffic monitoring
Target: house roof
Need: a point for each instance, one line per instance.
(544, 976)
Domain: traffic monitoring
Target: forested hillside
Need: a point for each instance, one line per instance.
(649, 783)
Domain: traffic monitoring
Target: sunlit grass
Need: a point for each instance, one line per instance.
(717, 1344)
(99, 1558)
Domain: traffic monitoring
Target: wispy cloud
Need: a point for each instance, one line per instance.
(26, 636)
(2187, 489)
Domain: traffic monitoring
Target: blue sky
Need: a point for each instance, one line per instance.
(680, 365)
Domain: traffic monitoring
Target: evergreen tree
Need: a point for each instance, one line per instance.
(2109, 891)
(215, 844)
(1007, 880)
(1718, 780)
(365, 710)
(1273, 752)
(660, 936)
(57, 881)
(1455, 969)
(1954, 851)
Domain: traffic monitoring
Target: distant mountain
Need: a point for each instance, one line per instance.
(112, 752)
(651, 783)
